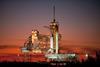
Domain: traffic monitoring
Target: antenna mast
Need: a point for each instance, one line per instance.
(54, 13)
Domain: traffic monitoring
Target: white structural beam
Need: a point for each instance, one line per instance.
(57, 47)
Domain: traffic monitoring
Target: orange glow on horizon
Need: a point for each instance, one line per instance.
(10, 50)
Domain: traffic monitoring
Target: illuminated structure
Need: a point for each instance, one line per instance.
(36, 42)
(54, 33)
(35, 38)
(32, 42)
(53, 53)
(54, 47)
(40, 43)
(48, 44)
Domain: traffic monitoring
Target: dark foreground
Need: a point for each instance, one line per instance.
(54, 64)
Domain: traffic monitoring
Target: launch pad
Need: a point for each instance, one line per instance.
(51, 52)
(61, 57)
(40, 43)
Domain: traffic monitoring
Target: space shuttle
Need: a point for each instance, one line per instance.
(54, 34)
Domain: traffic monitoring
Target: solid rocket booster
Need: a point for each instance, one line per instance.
(51, 41)
(57, 43)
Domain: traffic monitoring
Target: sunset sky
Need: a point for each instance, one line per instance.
(79, 21)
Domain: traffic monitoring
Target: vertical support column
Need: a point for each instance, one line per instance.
(32, 37)
(57, 47)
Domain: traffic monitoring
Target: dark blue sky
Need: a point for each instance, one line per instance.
(79, 20)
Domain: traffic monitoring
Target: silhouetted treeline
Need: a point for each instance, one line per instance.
(89, 62)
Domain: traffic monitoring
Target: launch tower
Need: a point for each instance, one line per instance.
(54, 28)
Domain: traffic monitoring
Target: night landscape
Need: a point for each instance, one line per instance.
(52, 33)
